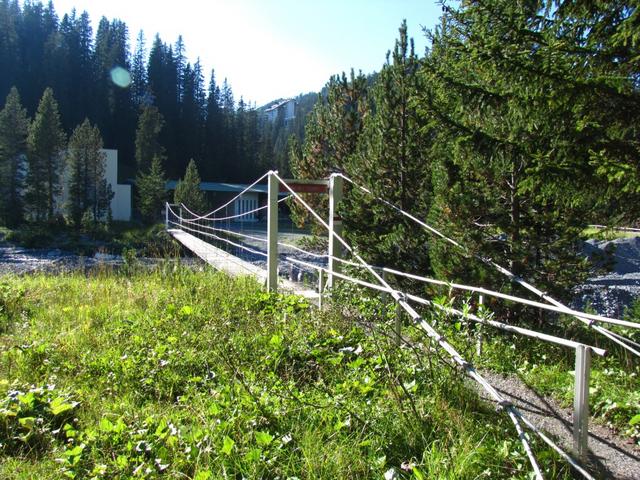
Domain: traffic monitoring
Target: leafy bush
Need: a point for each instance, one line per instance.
(31, 236)
(32, 419)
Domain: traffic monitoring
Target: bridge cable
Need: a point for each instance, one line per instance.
(513, 277)
(471, 371)
(469, 316)
(493, 293)
(206, 216)
(231, 217)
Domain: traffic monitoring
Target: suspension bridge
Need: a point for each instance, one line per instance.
(218, 237)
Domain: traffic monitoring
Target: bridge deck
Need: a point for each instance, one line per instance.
(234, 266)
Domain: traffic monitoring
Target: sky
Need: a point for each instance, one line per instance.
(270, 49)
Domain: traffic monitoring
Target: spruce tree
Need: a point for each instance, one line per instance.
(213, 132)
(151, 191)
(88, 194)
(165, 85)
(192, 107)
(138, 70)
(188, 190)
(14, 127)
(148, 147)
(46, 141)
(9, 44)
(116, 113)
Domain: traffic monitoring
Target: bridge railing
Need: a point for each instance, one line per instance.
(204, 225)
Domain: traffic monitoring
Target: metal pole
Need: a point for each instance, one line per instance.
(336, 183)
(581, 402)
(385, 296)
(320, 287)
(398, 325)
(166, 215)
(272, 233)
(479, 339)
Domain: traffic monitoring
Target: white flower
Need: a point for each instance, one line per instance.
(390, 474)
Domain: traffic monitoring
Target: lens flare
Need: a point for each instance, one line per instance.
(121, 77)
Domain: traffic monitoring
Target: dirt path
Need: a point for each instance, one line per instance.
(611, 457)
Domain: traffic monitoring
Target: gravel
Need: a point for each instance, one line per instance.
(611, 457)
(610, 294)
(19, 260)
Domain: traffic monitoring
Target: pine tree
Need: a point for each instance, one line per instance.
(88, 194)
(528, 110)
(34, 28)
(392, 161)
(188, 190)
(9, 44)
(148, 147)
(192, 108)
(115, 114)
(251, 142)
(151, 191)
(180, 62)
(227, 170)
(164, 84)
(46, 141)
(331, 134)
(14, 127)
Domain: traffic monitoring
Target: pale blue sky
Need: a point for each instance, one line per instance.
(272, 48)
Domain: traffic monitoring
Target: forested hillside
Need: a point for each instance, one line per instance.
(517, 129)
(108, 78)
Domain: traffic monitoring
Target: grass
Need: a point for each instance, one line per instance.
(607, 234)
(182, 374)
(549, 369)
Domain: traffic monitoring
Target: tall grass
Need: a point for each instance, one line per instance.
(182, 374)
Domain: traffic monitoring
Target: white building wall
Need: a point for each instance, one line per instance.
(290, 110)
(121, 201)
(272, 115)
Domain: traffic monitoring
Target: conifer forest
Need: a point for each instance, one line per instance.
(143, 97)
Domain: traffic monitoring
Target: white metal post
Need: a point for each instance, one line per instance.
(272, 233)
(335, 226)
(166, 215)
(581, 401)
(398, 326)
(479, 327)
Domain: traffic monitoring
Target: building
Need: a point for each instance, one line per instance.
(285, 107)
